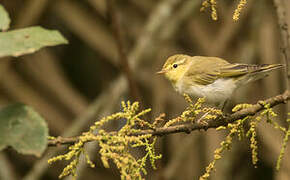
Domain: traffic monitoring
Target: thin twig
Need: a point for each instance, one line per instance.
(119, 36)
(212, 123)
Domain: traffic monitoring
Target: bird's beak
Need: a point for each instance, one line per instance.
(161, 72)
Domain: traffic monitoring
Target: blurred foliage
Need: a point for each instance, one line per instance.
(22, 128)
(28, 40)
(4, 19)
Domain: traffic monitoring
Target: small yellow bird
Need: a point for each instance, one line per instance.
(211, 77)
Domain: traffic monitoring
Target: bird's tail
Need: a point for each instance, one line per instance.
(256, 72)
(264, 67)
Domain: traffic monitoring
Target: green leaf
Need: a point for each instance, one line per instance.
(28, 40)
(4, 19)
(23, 129)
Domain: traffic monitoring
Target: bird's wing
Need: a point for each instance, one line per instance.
(204, 70)
(204, 78)
(236, 70)
(233, 70)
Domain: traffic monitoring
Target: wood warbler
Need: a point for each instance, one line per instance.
(211, 77)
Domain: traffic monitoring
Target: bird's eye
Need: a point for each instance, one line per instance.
(175, 65)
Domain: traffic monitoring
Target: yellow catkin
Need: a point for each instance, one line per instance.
(213, 6)
(221, 128)
(51, 137)
(253, 141)
(190, 113)
(224, 145)
(238, 10)
(205, 4)
(214, 15)
(269, 113)
(241, 106)
(115, 146)
(282, 151)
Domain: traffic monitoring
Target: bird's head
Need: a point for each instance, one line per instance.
(175, 66)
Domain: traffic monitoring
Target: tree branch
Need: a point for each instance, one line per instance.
(187, 128)
(285, 37)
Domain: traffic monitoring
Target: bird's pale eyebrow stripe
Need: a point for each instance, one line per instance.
(181, 61)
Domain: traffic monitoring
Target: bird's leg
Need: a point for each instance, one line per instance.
(223, 105)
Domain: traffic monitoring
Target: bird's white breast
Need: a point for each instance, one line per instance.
(217, 92)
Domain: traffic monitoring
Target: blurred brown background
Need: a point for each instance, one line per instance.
(73, 85)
